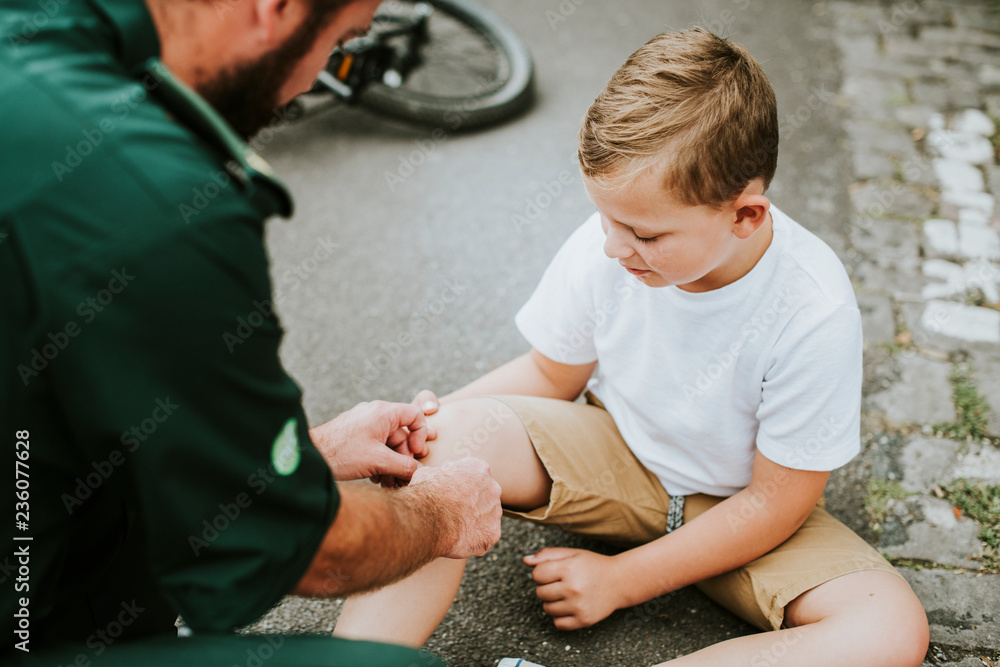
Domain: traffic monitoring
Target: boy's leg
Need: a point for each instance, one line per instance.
(866, 618)
(408, 612)
(838, 601)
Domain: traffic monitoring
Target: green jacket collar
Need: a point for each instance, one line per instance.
(135, 33)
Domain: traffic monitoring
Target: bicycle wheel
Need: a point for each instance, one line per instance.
(473, 69)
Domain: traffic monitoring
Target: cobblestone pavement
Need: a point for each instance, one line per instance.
(921, 95)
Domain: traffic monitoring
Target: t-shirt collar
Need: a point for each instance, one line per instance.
(136, 40)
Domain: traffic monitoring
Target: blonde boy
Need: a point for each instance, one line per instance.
(720, 346)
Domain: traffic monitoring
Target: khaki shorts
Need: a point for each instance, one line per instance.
(600, 489)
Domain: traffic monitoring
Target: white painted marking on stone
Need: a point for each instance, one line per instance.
(941, 235)
(958, 175)
(956, 320)
(975, 121)
(973, 216)
(977, 241)
(981, 201)
(952, 276)
(962, 146)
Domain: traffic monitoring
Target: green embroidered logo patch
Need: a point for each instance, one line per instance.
(286, 454)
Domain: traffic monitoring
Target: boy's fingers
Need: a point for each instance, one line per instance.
(557, 609)
(546, 573)
(549, 592)
(551, 553)
(427, 401)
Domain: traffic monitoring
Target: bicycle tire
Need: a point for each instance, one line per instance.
(510, 97)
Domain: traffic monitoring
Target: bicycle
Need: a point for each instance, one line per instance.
(449, 63)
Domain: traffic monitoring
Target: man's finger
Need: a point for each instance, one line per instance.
(417, 441)
(396, 465)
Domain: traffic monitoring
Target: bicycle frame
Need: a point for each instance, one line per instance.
(371, 58)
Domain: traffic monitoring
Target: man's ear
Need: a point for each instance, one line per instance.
(750, 210)
(274, 21)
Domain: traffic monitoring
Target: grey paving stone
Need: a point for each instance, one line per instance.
(914, 115)
(961, 607)
(885, 241)
(992, 102)
(943, 35)
(887, 198)
(869, 164)
(877, 137)
(986, 375)
(923, 459)
(978, 462)
(993, 177)
(934, 533)
(903, 44)
(876, 318)
(977, 55)
(873, 89)
(988, 74)
(921, 394)
(898, 280)
(982, 17)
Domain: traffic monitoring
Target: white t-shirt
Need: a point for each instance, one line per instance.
(696, 381)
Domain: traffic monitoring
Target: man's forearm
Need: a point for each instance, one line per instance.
(729, 535)
(378, 537)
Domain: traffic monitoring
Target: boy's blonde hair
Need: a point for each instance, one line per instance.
(695, 103)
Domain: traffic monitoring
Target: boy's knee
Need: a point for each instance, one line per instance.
(468, 427)
(901, 616)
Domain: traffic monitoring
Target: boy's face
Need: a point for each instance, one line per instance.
(664, 242)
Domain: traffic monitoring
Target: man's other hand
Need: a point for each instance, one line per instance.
(472, 497)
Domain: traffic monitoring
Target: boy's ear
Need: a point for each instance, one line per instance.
(750, 210)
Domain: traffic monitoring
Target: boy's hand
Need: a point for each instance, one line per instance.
(429, 403)
(578, 587)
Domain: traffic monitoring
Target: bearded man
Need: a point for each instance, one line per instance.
(158, 468)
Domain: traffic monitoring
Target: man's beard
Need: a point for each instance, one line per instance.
(247, 95)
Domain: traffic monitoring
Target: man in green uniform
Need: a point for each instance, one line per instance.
(159, 469)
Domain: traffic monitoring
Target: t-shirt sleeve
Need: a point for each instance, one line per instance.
(558, 318)
(233, 497)
(810, 410)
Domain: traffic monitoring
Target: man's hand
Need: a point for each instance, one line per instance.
(578, 587)
(472, 499)
(377, 440)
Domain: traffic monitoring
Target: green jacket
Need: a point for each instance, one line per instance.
(167, 466)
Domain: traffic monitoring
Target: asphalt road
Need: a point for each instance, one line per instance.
(441, 257)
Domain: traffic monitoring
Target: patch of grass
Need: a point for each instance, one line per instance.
(918, 564)
(880, 492)
(970, 408)
(981, 501)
